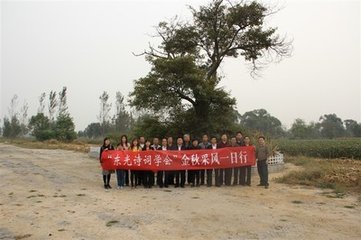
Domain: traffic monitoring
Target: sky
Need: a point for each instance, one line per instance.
(88, 47)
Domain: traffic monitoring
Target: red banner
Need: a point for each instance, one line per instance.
(179, 160)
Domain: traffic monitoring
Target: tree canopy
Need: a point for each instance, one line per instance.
(183, 84)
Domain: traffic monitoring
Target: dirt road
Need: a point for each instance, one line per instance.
(56, 194)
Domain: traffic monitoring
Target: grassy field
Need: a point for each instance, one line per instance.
(341, 175)
(321, 148)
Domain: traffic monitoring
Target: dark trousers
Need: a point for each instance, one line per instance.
(194, 177)
(134, 178)
(170, 177)
(106, 179)
(209, 177)
(262, 168)
(248, 175)
(140, 177)
(202, 176)
(152, 178)
(147, 179)
(228, 176)
(120, 177)
(189, 177)
(236, 175)
(242, 176)
(127, 177)
(219, 176)
(160, 181)
(180, 178)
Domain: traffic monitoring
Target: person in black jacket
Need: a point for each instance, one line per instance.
(242, 170)
(147, 175)
(171, 174)
(180, 176)
(223, 173)
(106, 173)
(155, 147)
(210, 171)
(194, 174)
(187, 146)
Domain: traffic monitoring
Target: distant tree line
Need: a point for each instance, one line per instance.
(52, 120)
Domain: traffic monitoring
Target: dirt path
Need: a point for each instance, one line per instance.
(56, 194)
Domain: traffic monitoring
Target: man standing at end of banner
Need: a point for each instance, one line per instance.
(262, 155)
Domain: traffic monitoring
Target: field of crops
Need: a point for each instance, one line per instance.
(323, 148)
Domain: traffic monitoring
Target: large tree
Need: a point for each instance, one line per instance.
(184, 79)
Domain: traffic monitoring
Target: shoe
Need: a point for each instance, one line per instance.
(260, 185)
(109, 187)
(105, 186)
(266, 186)
(182, 186)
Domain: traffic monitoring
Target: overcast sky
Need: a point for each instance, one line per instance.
(87, 46)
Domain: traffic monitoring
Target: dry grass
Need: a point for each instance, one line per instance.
(342, 175)
(76, 145)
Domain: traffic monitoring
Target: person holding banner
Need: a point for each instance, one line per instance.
(155, 147)
(194, 174)
(125, 146)
(135, 174)
(180, 175)
(210, 171)
(203, 145)
(171, 174)
(187, 145)
(164, 182)
(106, 173)
(241, 170)
(220, 172)
(147, 175)
(236, 169)
(120, 172)
(247, 143)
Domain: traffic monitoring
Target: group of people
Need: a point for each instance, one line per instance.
(195, 178)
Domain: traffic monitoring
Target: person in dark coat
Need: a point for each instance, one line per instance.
(210, 171)
(247, 142)
(180, 176)
(222, 172)
(194, 174)
(203, 145)
(106, 173)
(241, 170)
